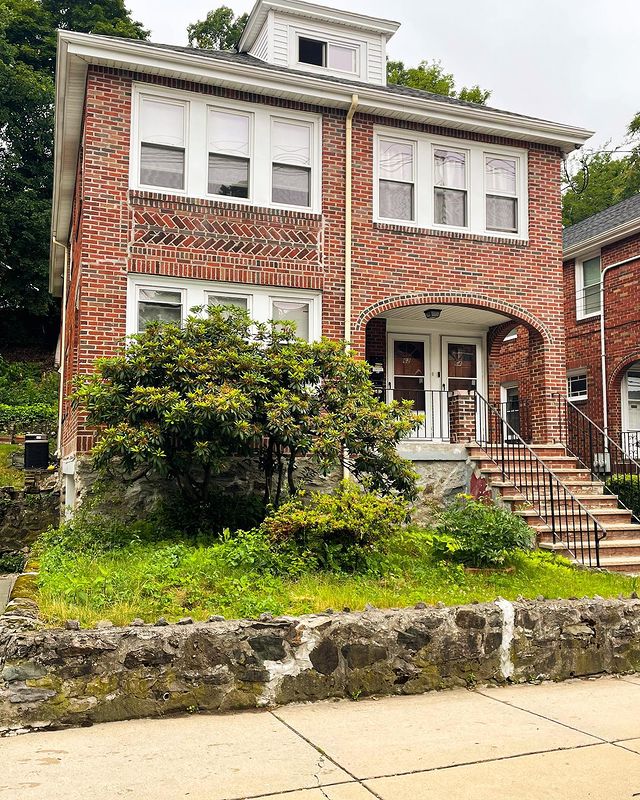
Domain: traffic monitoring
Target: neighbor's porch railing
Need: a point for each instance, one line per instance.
(431, 407)
(630, 443)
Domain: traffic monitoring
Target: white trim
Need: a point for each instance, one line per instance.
(481, 371)
(512, 335)
(328, 38)
(197, 149)
(573, 373)
(194, 294)
(579, 286)
(624, 397)
(424, 205)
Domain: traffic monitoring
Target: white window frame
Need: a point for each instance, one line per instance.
(239, 112)
(327, 39)
(236, 295)
(197, 151)
(511, 337)
(579, 281)
(575, 373)
(161, 286)
(135, 160)
(377, 178)
(313, 177)
(194, 294)
(466, 152)
(424, 144)
(494, 193)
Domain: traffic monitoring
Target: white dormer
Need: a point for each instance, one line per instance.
(317, 39)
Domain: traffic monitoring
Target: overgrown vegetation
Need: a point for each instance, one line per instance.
(300, 561)
(184, 401)
(28, 398)
(9, 475)
(627, 487)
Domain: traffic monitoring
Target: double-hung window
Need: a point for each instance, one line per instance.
(396, 179)
(588, 277)
(501, 199)
(450, 187)
(158, 305)
(229, 151)
(291, 163)
(162, 143)
(333, 55)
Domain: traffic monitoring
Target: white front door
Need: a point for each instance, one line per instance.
(631, 411)
(461, 363)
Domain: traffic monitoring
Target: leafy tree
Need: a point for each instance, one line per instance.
(220, 30)
(431, 77)
(27, 63)
(180, 402)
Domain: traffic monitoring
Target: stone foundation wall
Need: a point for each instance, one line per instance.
(59, 677)
(23, 515)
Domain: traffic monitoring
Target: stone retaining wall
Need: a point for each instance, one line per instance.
(58, 677)
(25, 514)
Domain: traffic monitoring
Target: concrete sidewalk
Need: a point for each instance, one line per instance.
(575, 740)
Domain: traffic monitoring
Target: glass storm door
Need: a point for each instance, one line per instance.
(409, 359)
(511, 409)
(633, 399)
(459, 365)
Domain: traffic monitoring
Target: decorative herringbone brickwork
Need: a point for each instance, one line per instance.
(121, 231)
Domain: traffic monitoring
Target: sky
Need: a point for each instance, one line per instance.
(571, 62)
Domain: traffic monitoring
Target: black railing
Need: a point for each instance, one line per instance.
(595, 450)
(630, 443)
(516, 414)
(431, 407)
(568, 520)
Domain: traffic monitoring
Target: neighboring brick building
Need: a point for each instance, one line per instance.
(602, 261)
(184, 176)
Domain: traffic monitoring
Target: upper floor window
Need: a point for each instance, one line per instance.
(320, 53)
(209, 148)
(501, 186)
(450, 187)
(291, 163)
(162, 143)
(229, 153)
(588, 277)
(396, 176)
(449, 184)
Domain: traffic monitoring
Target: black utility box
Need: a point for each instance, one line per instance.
(36, 451)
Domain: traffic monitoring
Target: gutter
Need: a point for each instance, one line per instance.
(348, 192)
(603, 346)
(63, 343)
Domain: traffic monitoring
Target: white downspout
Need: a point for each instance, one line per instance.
(63, 334)
(348, 191)
(603, 346)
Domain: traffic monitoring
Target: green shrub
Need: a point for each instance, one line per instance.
(25, 383)
(341, 530)
(627, 487)
(221, 511)
(11, 563)
(479, 534)
(37, 418)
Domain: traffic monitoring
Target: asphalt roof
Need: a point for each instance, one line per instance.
(392, 88)
(603, 221)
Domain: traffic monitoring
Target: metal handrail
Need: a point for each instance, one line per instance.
(595, 449)
(569, 520)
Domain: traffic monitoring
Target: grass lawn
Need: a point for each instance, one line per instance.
(152, 579)
(9, 476)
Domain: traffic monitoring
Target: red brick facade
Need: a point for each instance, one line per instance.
(117, 231)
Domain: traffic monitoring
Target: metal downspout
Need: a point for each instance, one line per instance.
(63, 335)
(348, 191)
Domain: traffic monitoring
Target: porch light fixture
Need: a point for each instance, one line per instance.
(432, 313)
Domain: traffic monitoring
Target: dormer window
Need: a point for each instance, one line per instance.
(332, 55)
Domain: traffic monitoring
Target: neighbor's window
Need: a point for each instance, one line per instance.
(450, 187)
(588, 278)
(296, 311)
(162, 143)
(396, 179)
(501, 186)
(577, 386)
(291, 163)
(158, 305)
(511, 336)
(229, 153)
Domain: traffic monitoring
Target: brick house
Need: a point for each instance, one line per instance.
(291, 180)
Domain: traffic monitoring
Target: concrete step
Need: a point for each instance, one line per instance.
(607, 516)
(530, 466)
(609, 548)
(563, 474)
(595, 488)
(591, 501)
